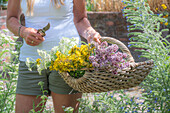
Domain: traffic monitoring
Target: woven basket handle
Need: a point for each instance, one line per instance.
(120, 45)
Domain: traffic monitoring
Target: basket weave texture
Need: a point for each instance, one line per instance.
(102, 81)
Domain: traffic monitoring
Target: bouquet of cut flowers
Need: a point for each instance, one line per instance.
(69, 57)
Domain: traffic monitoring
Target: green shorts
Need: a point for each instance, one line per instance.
(27, 83)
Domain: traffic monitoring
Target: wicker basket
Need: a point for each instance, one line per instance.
(93, 81)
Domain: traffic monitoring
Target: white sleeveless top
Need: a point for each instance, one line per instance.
(61, 25)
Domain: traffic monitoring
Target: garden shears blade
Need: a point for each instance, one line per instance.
(44, 29)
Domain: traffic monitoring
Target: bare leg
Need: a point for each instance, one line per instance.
(24, 103)
(60, 100)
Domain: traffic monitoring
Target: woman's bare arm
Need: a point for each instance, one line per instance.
(30, 35)
(13, 13)
(82, 23)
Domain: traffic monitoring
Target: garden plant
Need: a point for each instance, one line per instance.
(9, 71)
(146, 34)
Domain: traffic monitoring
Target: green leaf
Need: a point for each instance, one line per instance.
(136, 28)
(163, 30)
(134, 33)
(167, 36)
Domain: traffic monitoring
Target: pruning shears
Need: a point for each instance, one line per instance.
(44, 29)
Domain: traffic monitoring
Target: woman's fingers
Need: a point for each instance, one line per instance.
(92, 35)
(31, 44)
(35, 33)
(30, 40)
(97, 37)
(34, 39)
(31, 37)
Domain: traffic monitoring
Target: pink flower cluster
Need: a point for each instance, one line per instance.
(107, 58)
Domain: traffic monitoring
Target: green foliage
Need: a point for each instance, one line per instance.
(44, 98)
(8, 72)
(3, 1)
(153, 45)
(109, 102)
(9, 64)
(89, 6)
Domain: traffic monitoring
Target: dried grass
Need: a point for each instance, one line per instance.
(117, 5)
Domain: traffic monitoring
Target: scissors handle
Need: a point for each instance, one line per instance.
(41, 32)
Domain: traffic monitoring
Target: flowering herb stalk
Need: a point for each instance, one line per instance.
(77, 58)
(107, 58)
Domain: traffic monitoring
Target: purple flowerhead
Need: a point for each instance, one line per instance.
(112, 48)
(124, 55)
(101, 65)
(92, 58)
(118, 59)
(126, 64)
(119, 54)
(104, 44)
(103, 51)
(95, 64)
(4, 60)
(115, 47)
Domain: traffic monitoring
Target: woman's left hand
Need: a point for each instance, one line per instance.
(92, 35)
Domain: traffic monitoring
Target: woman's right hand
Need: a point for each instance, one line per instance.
(31, 36)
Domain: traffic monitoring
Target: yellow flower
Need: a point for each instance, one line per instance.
(166, 23)
(76, 59)
(51, 68)
(156, 8)
(38, 61)
(161, 22)
(163, 6)
(78, 53)
(58, 54)
(166, 16)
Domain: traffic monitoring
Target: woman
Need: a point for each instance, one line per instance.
(67, 18)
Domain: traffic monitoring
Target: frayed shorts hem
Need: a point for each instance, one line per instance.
(25, 92)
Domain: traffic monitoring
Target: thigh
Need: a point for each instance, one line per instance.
(25, 103)
(27, 83)
(58, 85)
(67, 100)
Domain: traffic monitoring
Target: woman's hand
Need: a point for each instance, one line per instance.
(31, 36)
(82, 23)
(92, 35)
